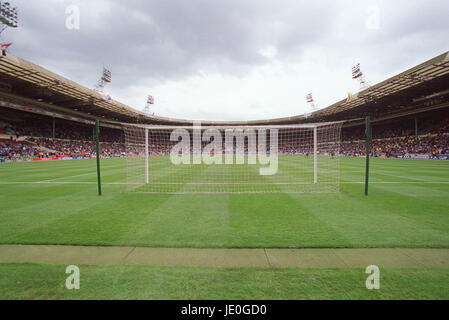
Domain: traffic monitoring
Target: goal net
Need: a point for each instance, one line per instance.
(233, 159)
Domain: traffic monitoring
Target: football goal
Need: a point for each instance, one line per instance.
(301, 158)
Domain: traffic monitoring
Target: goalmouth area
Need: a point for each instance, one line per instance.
(233, 159)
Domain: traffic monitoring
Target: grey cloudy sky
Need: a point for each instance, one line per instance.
(230, 59)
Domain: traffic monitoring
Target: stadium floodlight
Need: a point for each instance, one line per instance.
(173, 159)
(150, 102)
(8, 18)
(311, 102)
(357, 74)
(107, 75)
(8, 15)
(106, 78)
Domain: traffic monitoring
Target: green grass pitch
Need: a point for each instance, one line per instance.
(19, 281)
(57, 203)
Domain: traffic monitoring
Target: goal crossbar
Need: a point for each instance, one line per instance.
(223, 127)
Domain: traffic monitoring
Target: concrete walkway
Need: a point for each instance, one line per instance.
(226, 258)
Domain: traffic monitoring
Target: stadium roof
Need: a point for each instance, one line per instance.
(38, 83)
(21, 78)
(423, 73)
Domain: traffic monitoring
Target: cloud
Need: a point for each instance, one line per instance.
(229, 60)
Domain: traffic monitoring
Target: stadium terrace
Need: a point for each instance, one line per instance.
(39, 122)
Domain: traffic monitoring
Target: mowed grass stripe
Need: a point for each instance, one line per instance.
(26, 219)
(200, 222)
(398, 213)
(374, 221)
(86, 167)
(27, 281)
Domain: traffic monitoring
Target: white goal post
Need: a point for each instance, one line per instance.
(301, 158)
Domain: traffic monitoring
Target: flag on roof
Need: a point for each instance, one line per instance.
(352, 97)
(5, 46)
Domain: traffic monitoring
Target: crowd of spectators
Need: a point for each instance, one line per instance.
(430, 145)
(79, 148)
(11, 149)
(28, 140)
(435, 142)
(76, 140)
(45, 148)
